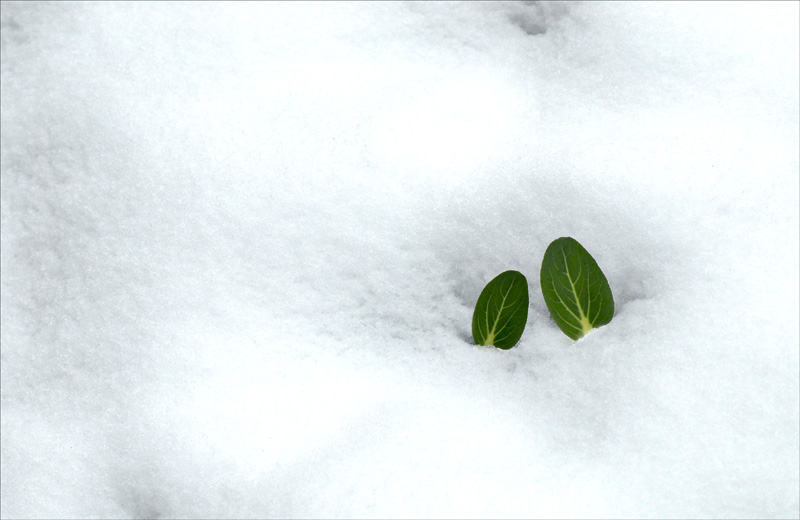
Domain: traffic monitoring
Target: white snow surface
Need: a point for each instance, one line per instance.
(242, 244)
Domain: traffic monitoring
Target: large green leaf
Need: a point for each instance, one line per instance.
(502, 311)
(575, 290)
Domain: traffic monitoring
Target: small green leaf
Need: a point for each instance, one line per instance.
(575, 290)
(502, 311)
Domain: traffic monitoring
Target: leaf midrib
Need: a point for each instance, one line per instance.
(583, 320)
(490, 336)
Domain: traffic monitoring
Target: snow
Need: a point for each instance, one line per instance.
(242, 243)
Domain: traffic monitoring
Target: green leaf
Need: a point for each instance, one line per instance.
(502, 311)
(575, 290)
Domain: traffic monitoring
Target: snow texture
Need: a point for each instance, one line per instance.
(242, 244)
